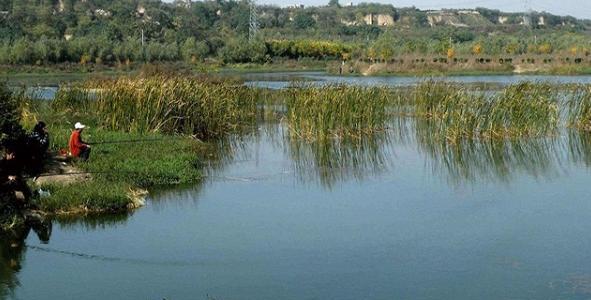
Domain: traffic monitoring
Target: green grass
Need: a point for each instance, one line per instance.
(120, 169)
(120, 164)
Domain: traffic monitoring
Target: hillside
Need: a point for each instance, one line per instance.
(124, 31)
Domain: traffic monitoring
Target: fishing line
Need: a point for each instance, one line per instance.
(228, 178)
(133, 141)
(114, 259)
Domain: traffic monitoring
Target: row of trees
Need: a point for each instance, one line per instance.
(104, 51)
(115, 31)
(387, 46)
(390, 45)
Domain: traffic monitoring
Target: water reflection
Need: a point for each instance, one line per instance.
(334, 160)
(12, 253)
(93, 221)
(459, 162)
(469, 160)
(579, 147)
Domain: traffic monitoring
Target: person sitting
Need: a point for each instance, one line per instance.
(39, 139)
(38, 144)
(77, 147)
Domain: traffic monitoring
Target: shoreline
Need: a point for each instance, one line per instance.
(55, 75)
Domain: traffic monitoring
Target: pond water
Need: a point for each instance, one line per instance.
(394, 216)
(283, 80)
(390, 217)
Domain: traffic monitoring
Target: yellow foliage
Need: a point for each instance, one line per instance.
(85, 59)
(477, 49)
(574, 50)
(371, 53)
(451, 53)
(545, 48)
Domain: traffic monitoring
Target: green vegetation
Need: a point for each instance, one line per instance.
(119, 171)
(579, 107)
(145, 127)
(322, 112)
(122, 35)
(163, 104)
(122, 164)
(10, 132)
(524, 109)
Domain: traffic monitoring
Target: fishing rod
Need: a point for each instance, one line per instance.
(128, 141)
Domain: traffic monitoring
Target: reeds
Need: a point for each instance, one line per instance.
(525, 109)
(335, 111)
(579, 107)
(184, 105)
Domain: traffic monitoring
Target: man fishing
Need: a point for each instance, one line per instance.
(77, 147)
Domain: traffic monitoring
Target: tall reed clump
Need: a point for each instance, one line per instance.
(332, 111)
(525, 109)
(171, 105)
(579, 107)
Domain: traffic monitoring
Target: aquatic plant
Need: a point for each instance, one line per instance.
(579, 107)
(333, 111)
(524, 109)
(164, 104)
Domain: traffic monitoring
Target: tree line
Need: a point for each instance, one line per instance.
(124, 31)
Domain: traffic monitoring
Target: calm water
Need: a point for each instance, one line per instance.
(283, 80)
(395, 216)
(392, 217)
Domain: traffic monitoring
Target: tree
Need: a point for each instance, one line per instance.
(334, 3)
(191, 50)
(303, 20)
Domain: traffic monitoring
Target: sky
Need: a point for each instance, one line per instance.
(576, 8)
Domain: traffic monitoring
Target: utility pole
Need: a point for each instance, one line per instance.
(253, 27)
(527, 12)
(143, 48)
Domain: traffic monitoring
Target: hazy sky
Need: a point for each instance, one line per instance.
(577, 8)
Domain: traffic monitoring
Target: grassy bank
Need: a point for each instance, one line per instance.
(120, 170)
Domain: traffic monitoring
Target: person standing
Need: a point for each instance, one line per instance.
(78, 148)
